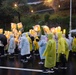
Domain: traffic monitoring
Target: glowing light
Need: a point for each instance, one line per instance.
(13, 25)
(20, 32)
(53, 30)
(32, 11)
(37, 28)
(59, 6)
(58, 29)
(46, 29)
(15, 5)
(48, 2)
(64, 31)
(32, 32)
(1, 31)
(19, 25)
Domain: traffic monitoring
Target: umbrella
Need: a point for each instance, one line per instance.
(3, 39)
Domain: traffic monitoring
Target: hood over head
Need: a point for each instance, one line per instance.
(59, 35)
(50, 36)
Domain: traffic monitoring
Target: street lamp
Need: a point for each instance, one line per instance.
(32, 11)
(58, 6)
(16, 5)
(70, 25)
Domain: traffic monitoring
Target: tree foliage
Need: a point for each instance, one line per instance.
(8, 11)
(46, 17)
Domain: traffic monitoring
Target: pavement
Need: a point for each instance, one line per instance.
(13, 66)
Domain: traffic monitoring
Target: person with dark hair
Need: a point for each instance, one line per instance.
(36, 46)
(3, 43)
(32, 38)
(32, 47)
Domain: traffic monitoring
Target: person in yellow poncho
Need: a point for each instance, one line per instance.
(30, 41)
(67, 51)
(74, 45)
(62, 50)
(36, 46)
(50, 53)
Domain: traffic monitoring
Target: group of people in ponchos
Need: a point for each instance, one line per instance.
(53, 49)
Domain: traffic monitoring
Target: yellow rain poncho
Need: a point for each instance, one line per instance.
(30, 41)
(62, 47)
(50, 52)
(74, 45)
(36, 46)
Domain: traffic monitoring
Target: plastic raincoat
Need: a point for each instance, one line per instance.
(42, 46)
(71, 41)
(50, 52)
(36, 46)
(12, 45)
(30, 41)
(67, 51)
(62, 47)
(24, 45)
(74, 45)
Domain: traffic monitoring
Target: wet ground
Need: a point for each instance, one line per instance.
(15, 67)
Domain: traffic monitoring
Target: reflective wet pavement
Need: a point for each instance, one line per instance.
(33, 65)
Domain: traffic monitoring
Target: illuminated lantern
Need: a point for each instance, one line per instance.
(1, 31)
(16, 40)
(32, 32)
(46, 29)
(17, 35)
(14, 31)
(37, 28)
(13, 25)
(58, 29)
(19, 25)
(53, 30)
(64, 31)
(19, 32)
(7, 34)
